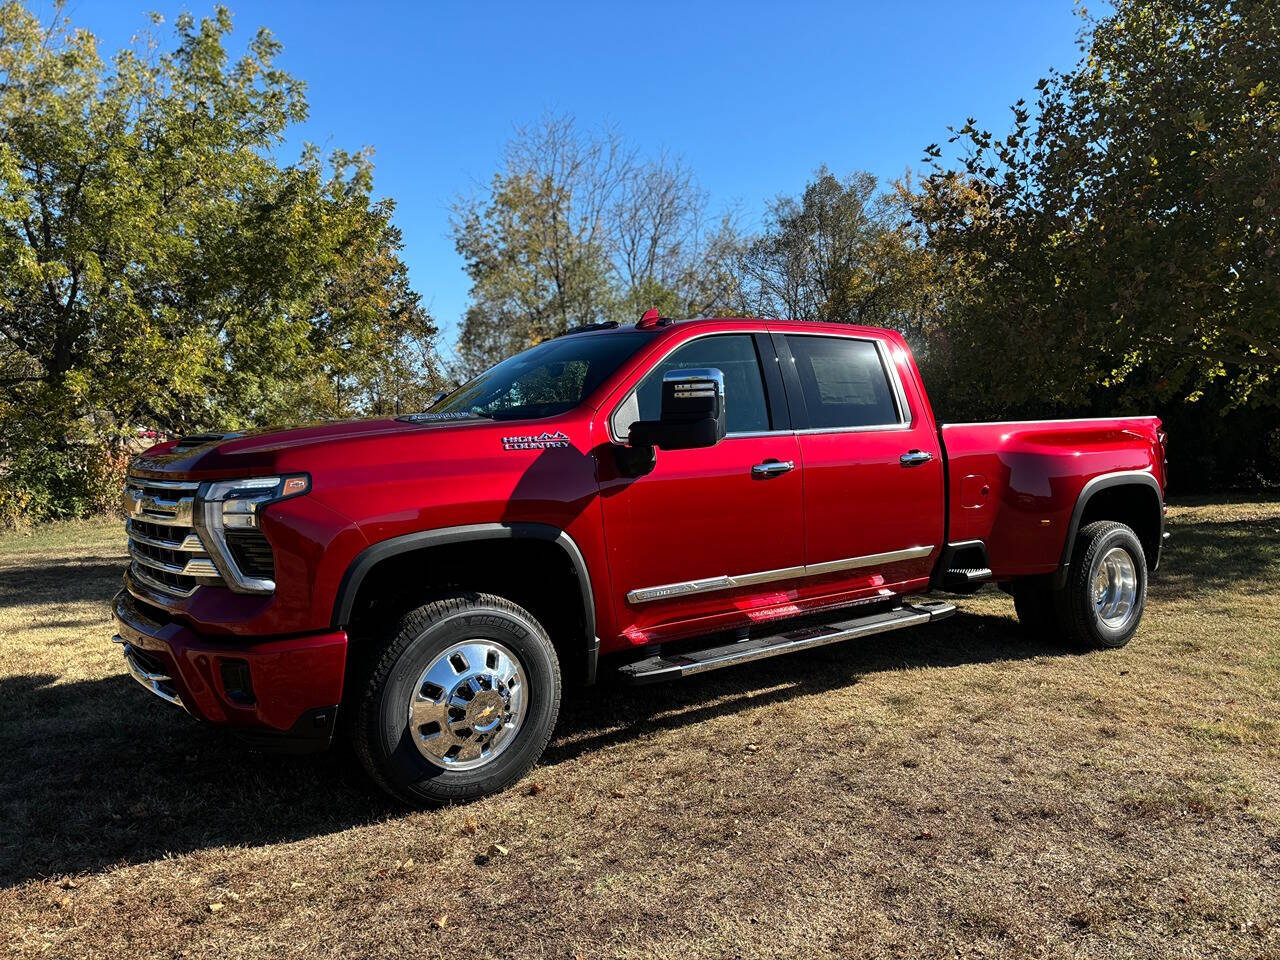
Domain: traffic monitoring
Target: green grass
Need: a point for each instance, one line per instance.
(957, 790)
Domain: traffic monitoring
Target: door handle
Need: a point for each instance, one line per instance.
(913, 458)
(773, 468)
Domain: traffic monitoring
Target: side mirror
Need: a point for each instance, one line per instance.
(692, 413)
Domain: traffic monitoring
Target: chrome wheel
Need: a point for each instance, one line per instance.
(1115, 588)
(468, 705)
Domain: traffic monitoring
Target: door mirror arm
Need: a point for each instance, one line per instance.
(635, 461)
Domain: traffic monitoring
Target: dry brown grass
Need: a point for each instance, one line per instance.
(958, 790)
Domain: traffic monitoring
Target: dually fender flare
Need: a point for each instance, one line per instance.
(374, 554)
(1102, 482)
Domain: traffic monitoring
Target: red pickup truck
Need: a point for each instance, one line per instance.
(661, 498)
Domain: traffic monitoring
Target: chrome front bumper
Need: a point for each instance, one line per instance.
(161, 684)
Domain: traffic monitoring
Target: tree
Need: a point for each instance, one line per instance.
(576, 229)
(843, 252)
(1122, 242)
(158, 266)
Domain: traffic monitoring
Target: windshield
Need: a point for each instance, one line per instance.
(551, 378)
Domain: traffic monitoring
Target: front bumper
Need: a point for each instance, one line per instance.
(279, 691)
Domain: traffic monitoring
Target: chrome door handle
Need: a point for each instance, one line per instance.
(773, 468)
(913, 458)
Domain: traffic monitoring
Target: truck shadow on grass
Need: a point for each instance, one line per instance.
(96, 773)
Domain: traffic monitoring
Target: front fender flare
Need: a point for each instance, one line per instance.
(368, 558)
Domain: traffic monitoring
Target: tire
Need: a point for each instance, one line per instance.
(1037, 614)
(1108, 562)
(451, 676)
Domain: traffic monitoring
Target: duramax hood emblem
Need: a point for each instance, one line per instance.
(543, 441)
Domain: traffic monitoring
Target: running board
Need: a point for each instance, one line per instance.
(785, 641)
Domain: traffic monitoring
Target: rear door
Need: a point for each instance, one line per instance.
(706, 537)
(873, 480)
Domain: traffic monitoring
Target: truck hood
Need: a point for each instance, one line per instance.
(250, 452)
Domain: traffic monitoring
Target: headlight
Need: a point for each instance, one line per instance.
(226, 518)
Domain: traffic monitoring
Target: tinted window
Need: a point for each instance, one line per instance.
(551, 378)
(733, 354)
(843, 381)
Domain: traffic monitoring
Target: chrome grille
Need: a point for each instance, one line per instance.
(165, 550)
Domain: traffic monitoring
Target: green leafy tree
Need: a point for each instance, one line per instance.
(1120, 240)
(845, 251)
(159, 267)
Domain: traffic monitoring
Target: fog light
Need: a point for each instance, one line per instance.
(236, 680)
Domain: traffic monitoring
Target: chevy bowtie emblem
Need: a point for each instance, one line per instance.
(543, 441)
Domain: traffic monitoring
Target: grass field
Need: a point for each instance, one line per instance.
(955, 791)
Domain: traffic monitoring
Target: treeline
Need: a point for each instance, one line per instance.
(1112, 249)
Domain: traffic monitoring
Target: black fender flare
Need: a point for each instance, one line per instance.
(374, 554)
(1126, 478)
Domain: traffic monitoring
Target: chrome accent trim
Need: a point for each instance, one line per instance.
(163, 589)
(870, 560)
(165, 513)
(772, 468)
(150, 590)
(158, 683)
(726, 582)
(134, 480)
(906, 417)
(195, 567)
(220, 552)
(188, 544)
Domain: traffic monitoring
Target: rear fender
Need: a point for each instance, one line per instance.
(1137, 479)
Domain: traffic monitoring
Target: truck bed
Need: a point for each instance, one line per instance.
(1014, 485)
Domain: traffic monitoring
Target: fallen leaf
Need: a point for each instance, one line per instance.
(441, 921)
(408, 864)
(215, 907)
(617, 793)
(469, 825)
(535, 789)
(497, 850)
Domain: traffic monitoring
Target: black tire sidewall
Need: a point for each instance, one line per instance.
(404, 766)
(1084, 618)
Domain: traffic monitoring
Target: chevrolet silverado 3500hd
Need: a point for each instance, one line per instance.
(660, 499)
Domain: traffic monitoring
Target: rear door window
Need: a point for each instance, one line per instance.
(844, 382)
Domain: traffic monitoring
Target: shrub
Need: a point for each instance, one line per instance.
(42, 483)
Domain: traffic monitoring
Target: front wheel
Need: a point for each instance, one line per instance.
(460, 702)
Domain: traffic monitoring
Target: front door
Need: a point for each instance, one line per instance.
(703, 540)
(873, 482)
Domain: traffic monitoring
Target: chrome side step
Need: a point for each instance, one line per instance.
(665, 667)
(965, 579)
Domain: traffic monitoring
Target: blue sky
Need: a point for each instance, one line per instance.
(753, 95)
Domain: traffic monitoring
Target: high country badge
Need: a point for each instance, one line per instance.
(543, 441)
